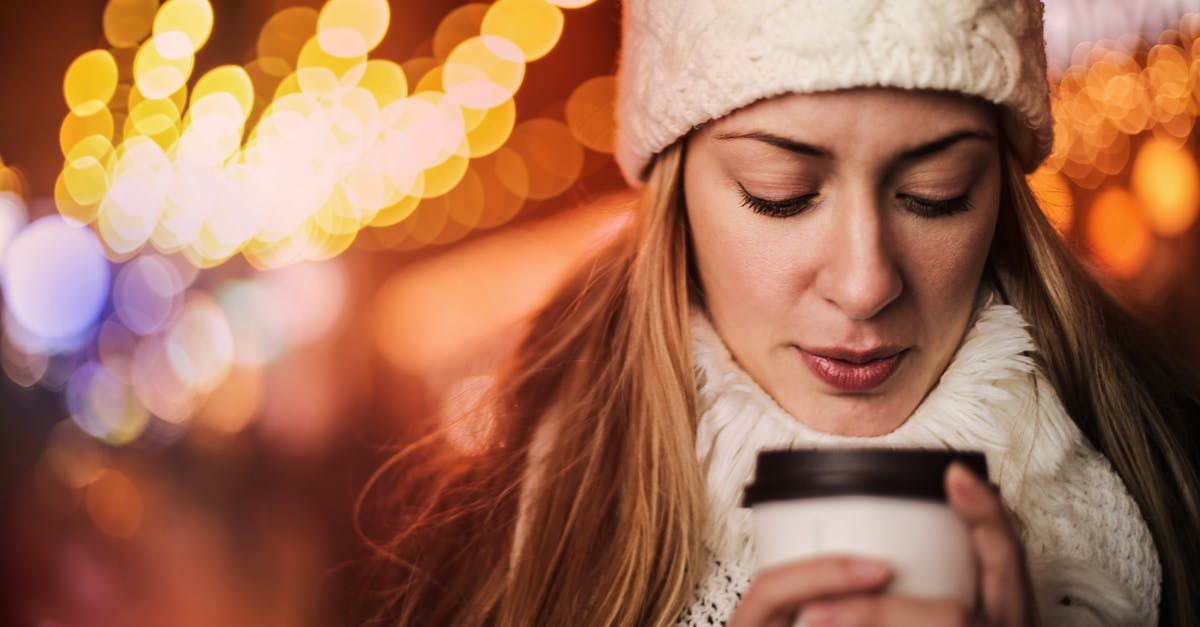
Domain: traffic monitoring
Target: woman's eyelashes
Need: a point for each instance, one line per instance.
(935, 207)
(793, 205)
(781, 208)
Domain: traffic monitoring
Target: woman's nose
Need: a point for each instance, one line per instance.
(860, 274)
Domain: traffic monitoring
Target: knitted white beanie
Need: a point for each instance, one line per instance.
(686, 62)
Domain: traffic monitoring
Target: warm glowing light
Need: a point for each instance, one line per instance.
(321, 74)
(126, 22)
(227, 79)
(551, 154)
(76, 128)
(505, 181)
(571, 4)
(458, 26)
(182, 27)
(483, 72)
(1115, 232)
(199, 344)
(492, 129)
(533, 25)
(55, 279)
(283, 36)
(234, 403)
(591, 113)
(1166, 180)
(157, 76)
(352, 28)
(91, 82)
(385, 81)
(114, 504)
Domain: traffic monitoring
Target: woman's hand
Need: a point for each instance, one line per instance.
(844, 591)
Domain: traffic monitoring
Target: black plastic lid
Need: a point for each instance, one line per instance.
(783, 475)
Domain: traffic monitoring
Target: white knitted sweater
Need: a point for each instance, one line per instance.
(1091, 556)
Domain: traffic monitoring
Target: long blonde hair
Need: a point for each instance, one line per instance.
(611, 522)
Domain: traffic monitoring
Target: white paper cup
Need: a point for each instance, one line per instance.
(883, 504)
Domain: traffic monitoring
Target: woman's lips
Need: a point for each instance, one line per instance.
(854, 374)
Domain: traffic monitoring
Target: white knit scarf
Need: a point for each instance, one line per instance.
(1091, 556)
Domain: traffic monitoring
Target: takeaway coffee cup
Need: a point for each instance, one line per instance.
(885, 504)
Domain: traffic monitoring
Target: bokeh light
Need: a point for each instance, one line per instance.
(1116, 233)
(126, 22)
(181, 28)
(104, 405)
(199, 345)
(533, 25)
(55, 281)
(591, 113)
(1167, 182)
(90, 82)
(147, 294)
(352, 28)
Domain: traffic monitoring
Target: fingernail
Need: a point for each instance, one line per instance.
(960, 482)
(817, 614)
(869, 570)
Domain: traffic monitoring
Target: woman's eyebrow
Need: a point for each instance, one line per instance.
(912, 154)
(789, 145)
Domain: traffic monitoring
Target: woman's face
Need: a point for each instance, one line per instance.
(840, 239)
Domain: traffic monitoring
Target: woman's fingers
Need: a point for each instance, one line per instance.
(1003, 585)
(777, 593)
(876, 610)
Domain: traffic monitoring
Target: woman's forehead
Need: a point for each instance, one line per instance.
(875, 123)
(886, 112)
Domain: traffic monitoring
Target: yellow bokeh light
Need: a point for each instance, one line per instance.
(1116, 233)
(505, 186)
(68, 207)
(458, 26)
(483, 72)
(492, 129)
(76, 128)
(552, 155)
(591, 113)
(443, 177)
(127, 22)
(90, 82)
(86, 172)
(283, 36)
(321, 74)
(533, 25)
(157, 76)
(385, 81)
(1166, 180)
(351, 28)
(153, 117)
(227, 79)
(182, 27)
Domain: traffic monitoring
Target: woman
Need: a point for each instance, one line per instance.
(836, 245)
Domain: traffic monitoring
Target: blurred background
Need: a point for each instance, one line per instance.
(247, 247)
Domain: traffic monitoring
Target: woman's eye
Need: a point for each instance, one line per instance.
(935, 208)
(781, 208)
